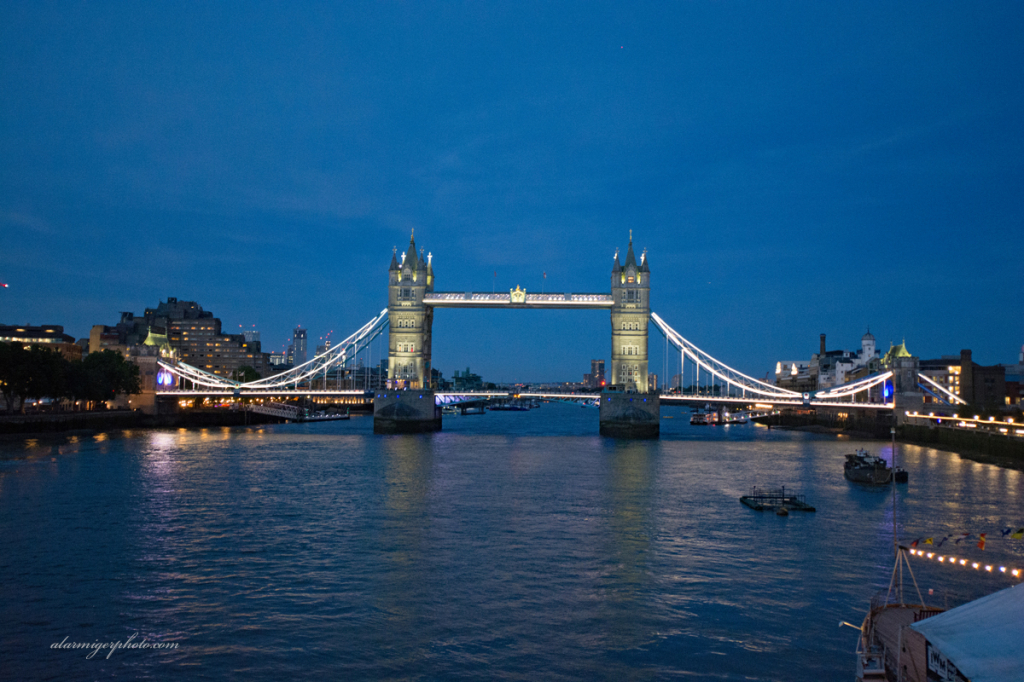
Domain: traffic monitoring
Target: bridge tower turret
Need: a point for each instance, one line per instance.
(631, 288)
(409, 319)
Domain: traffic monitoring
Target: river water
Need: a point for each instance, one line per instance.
(510, 545)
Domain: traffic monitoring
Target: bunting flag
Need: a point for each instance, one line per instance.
(1008, 533)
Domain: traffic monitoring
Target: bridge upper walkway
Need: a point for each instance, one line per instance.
(518, 299)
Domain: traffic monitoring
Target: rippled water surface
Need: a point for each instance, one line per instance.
(511, 546)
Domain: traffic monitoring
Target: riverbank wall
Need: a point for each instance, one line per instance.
(1006, 449)
(112, 420)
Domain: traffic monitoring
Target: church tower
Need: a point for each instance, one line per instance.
(409, 279)
(631, 310)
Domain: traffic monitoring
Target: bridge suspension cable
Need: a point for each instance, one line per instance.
(731, 377)
(847, 390)
(334, 358)
(952, 398)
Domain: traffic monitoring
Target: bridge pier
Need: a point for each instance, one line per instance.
(409, 411)
(630, 415)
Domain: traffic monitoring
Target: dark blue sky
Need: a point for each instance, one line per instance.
(793, 168)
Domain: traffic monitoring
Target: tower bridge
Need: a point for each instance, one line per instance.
(628, 407)
(412, 300)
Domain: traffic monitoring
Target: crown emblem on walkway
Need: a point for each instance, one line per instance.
(518, 295)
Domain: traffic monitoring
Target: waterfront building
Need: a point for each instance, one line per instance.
(194, 335)
(795, 375)
(50, 336)
(201, 343)
(596, 373)
(129, 331)
(833, 368)
(977, 385)
(828, 368)
(1013, 374)
(251, 335)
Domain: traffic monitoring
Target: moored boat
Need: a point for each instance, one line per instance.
(860, 467)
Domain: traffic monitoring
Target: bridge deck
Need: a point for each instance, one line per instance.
(470, 299)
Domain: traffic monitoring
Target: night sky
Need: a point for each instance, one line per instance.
(792, 168)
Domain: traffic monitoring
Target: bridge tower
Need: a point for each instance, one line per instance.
(409, 319)
(631, 289)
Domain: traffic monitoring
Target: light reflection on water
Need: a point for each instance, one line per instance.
(506, 546)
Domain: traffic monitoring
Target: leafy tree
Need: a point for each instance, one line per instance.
(245, 374)
(47, 373)
(14, 374)
(102, 376)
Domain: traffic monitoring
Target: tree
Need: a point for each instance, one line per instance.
(102, 376)
(245, 374)
(47, 374)
(14, 373)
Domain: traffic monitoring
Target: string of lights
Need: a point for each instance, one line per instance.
(966, 563)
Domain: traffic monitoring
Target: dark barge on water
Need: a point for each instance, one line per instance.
(760, 499)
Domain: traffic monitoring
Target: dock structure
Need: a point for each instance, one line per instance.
(760, 499)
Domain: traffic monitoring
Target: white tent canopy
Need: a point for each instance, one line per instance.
(982, 638)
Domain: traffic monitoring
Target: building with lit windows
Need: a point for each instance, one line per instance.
(50, 336)
(299, 346)
(977, 385)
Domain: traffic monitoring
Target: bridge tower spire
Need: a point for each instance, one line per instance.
(631, 309)
(410, 321)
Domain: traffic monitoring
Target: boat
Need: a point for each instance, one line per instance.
(704, 417)
(882, 647)
(860, 467)
(778, 499)
(733, 417)
(324, 417)
(508, 406)
(472, 409)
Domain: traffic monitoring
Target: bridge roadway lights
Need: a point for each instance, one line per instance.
(409, 411)
(630, 415)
